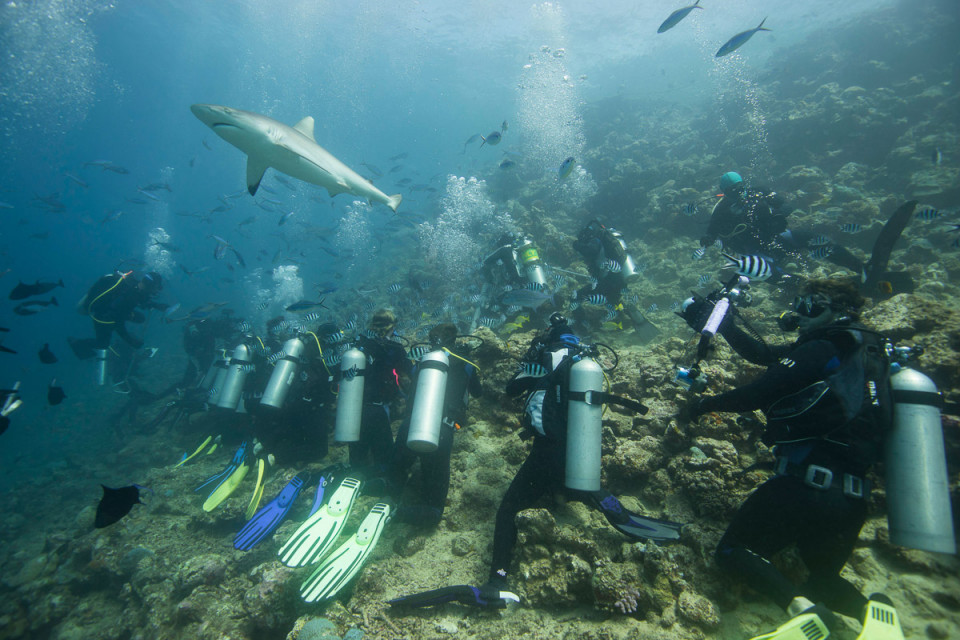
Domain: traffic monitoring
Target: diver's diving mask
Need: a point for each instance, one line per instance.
(811, 305)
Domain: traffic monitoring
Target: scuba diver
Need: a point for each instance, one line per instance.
(605, 253)
(828, 400)
(379, 369)
(515, 262)
(749, 221)
(562, 413)
(443, 383)
(111, 302)
(754, 222)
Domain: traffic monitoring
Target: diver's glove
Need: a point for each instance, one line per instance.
(695, 313)
(487, 595)
(691, 411)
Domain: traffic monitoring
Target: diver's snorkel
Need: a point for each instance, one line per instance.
(734, 291)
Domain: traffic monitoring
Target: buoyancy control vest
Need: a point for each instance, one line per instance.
(851, 405)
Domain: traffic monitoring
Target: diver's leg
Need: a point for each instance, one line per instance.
(534, 478)
(764, 525)
(826, 545)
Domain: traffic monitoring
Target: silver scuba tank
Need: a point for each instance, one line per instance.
(237, 371)
(283, 376)
(353, 365)
(223, 368)
(918, 489)
(427, 415)
(532, 264)
(583, 426)
(207, 381)
(100, 366)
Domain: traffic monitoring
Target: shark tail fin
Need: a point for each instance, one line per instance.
(394, 201)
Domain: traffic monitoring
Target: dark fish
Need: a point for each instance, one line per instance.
(26, 308)
(55, 394)
(305, 305)
(46, 356)
(821, 252)
(115, 504)
(22, 291)
(566, 167)
(239, 258)
(503, 125)
(493, 138)
(927, 214)
(674, 18)
(739, 40)
(374, 169)
(506, 163)
(283, 218)
(690, 209)
(936, 157)
(850, 227)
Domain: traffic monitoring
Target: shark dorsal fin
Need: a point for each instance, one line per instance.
(255, 169)
(305, 127)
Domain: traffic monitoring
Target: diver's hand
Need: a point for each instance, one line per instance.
(695, 314)
(690, 411)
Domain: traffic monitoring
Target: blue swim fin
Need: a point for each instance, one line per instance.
(267, 518)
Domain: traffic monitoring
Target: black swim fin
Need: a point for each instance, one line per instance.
(877, 281)
(632, 524)
(483, 596)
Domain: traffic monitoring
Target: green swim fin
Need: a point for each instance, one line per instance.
(806, 626)
(188, 458)
(343, 564)
(881, 621)
(315, 536)
(226, 488)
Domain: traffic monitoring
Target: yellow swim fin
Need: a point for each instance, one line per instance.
(806, 626)
(227, 487)
(881, 621)
(195, 453)
(257, 491)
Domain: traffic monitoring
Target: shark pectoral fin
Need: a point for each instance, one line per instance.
(336, 187)
(255, 171)
(305, 127)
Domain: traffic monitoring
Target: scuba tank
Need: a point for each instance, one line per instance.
(283, 376)
(427, 414)
(530, 259)
(583, 426)
(918, 488)
(616, 249)
(207, 381)
(237, 372)
(350, 400)
(100, 366)
(222, 366)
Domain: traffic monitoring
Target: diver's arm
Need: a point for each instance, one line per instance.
(749, 348)
(121, 330)
(516, 386)
(474, 386)
(804, 366)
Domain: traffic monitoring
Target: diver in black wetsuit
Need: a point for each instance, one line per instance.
(753, 221)
(605, 254)
(462, 381)
(543, 470)
(818, 497)
(386, 377)
(111, 302)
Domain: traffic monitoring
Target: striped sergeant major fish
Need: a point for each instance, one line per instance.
(754, 267)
